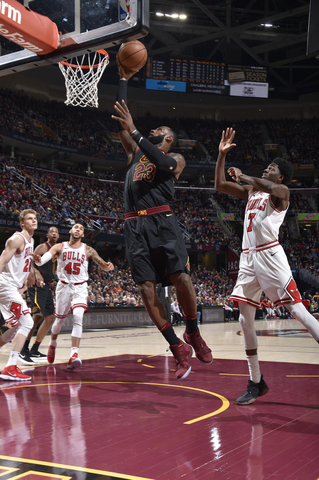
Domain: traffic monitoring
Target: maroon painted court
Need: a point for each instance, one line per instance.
(126, 417)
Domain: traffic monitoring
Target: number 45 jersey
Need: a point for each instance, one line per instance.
(72, 264)
(17, 270)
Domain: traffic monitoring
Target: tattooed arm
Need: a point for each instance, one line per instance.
(93, 255)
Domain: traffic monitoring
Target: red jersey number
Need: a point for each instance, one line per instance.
(27, 266)
(72, 268)
(250, 218)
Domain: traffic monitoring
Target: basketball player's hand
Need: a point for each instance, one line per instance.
(125, 117)
(234, 173)
(37, 258)
(39, 280)
(127, 74)
(24, 288)
(226, 142)
(30, 279)
(108, 267)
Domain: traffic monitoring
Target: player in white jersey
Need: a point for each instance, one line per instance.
(15, 266)
(263, 263)
(71, 290)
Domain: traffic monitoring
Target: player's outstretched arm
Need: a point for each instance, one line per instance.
(93, 255)
(35, 273)
(41, 260)
(221, 184)
(128, 144)
(278, 190)
(162, 161)
(13, 245)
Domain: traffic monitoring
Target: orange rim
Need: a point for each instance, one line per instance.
(75, 65)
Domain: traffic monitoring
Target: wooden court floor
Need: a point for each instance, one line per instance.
(123, 415)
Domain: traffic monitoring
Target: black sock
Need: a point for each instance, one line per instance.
(169, 334)
(35, 346)
(191, 324)
(25, 347)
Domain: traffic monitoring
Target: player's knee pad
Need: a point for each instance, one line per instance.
(25, 324)
(57, 325)
(77, 322)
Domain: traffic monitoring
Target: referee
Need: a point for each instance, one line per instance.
(42, 304)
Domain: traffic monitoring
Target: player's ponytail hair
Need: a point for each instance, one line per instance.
(285, 168)
(26, 212)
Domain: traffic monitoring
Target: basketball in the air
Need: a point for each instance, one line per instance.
(132, 55)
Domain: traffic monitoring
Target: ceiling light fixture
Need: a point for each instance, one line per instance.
(267, 25)
(181, 16)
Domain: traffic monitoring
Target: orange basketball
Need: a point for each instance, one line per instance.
(132, 55)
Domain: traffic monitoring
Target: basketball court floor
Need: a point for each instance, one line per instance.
(123, 415)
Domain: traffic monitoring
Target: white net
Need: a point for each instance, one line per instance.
(82, 75)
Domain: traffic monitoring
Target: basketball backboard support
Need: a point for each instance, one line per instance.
(84, 26)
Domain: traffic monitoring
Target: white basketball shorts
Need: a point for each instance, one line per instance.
(69, 296)
(265, 271)
(12, 305)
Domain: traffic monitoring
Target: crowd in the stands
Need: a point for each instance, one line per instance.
(54, 122)
(300, 138)
(62, 199)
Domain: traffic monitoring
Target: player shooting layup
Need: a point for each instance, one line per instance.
(155, 248)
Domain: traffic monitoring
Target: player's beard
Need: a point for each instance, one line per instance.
(155, 139)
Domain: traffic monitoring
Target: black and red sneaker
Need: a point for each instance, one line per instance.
(182, 353)
(202, 351)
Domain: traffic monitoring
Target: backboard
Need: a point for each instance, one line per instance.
(84, 26)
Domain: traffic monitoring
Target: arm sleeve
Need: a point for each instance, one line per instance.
(154, 154)
(44, 259)
(121, 95)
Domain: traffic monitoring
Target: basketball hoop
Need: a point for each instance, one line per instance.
(82, 75)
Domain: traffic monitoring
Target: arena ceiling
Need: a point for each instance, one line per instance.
(236, 32)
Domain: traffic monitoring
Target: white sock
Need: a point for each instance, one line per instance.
(53, 343)
(13, 358)
(74, 350)
(253, 366)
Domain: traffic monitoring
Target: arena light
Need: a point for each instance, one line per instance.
(175, 16)
(269, 25)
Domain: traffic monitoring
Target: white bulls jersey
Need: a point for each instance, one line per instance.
(72, 264)
(17, 270)
(262, 222)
